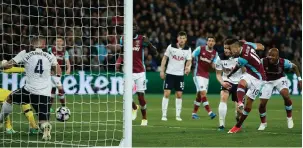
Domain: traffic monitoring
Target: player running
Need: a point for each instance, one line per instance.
(274, 69)
(37, 89)
(179, 56)
(225, 63)
(205, 57)
(139, 78)
(26, 108)
(64, 63)
(252, 80)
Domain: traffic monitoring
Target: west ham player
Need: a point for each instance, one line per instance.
(225, 63)
(37, 89)
(252, 80)
(139, 78)
(179, 56)
(205, 57)
(64, 63)
(274, 69)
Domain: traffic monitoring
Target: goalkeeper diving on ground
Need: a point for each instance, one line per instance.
(26, 108)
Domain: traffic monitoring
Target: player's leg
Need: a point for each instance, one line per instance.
(61, 94)
(28, 112)
(53, 92)
(265, 96)
(134, 105)
(168, 84)
(222, 109)
(288, 106)
(234, 98)
(141, 87)
(179, 87)
(8, 126)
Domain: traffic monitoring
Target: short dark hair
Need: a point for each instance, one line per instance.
(36, 41)
(182, 33)
(231, 41)
(227, 41)
(60, 37)
(211, 37)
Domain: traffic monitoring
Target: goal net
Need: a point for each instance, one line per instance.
(91, 30)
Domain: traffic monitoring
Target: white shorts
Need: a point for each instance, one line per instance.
(201, 83)
(270, 85)
(56, 81)
(140, 81)
(254, 85)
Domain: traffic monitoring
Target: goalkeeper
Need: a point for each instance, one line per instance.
(26, 108)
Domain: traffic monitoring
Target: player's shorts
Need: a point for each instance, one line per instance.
(254, 85)
(270, 85)
(201, 83)
(56, 81)
(40, 103)
(232, 91)
(140, 81)
(173, 82)
(3, 94)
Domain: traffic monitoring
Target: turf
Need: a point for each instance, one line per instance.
(98, 122)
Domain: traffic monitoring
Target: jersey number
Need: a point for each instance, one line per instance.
(39, 67)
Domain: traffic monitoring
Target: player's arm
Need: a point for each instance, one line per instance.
(188, 63)
(213, 62)
(293, 67)
(147, 43)
(163, 62)
(256, 46)
(241, 63)
(219, 71)
(196, 52)
(17, 59)
(67, 62)
(120, 57)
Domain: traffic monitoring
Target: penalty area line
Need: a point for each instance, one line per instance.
(45, 142)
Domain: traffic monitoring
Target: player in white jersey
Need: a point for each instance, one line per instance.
(225, 63)
(37, 89)
(179, 55)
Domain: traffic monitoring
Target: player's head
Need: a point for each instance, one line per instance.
(211, 41)
(59, 42)
(38, 42)
(234, 46)
(273, 55)
(182, 38)
(227, 51)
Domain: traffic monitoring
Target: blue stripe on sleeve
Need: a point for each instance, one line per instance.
(287, 64)
(196, 52)
(254, 45)
(242, 61)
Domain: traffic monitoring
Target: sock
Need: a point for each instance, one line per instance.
(222, 113)
(164, 106)
(142, 103)
(134, 106)
(240, 93)
(243, 117)
(178, 106)
(8, 123)
(5, 111)
(206, 105)
(29, 115)
(288, 107)
(197, 104)
(262, 111)
(61, 97)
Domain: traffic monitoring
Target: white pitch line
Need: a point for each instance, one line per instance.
(46, 142)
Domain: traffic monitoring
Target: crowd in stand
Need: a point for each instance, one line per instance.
(92, 28)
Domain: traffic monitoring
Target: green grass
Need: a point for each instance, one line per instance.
(98, 122)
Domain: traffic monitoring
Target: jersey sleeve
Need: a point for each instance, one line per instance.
(167, 51)
(242, 61)
(215, 58)
(254, 45)
(218, 64)
(121, 41)
(14, 70)
(54, 60)
(189, 57)
(20, 57)
(287, 64)
(66, 55)
(196, 52)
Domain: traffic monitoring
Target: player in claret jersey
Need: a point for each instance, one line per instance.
(252, 80)
(139, 78)
(205, 57)
(64, 63)
(274, 70)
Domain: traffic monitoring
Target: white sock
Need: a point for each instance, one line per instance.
(5, 111)
(178, 106)
(222, 113)
(164, 106)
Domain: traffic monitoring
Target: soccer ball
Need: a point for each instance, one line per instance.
(62, 114)
(4, 61)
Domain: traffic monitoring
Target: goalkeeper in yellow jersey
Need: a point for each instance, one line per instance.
(26, 108)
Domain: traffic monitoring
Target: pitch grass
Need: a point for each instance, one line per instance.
(98, 122)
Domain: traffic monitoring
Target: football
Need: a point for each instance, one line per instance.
(62, 114)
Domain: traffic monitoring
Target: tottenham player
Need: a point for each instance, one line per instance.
(37, 89)
(225, 63)
(205, 57)
(252, 80)
(178, 56)
(274, 69)
(139, 78)
(64, 63)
